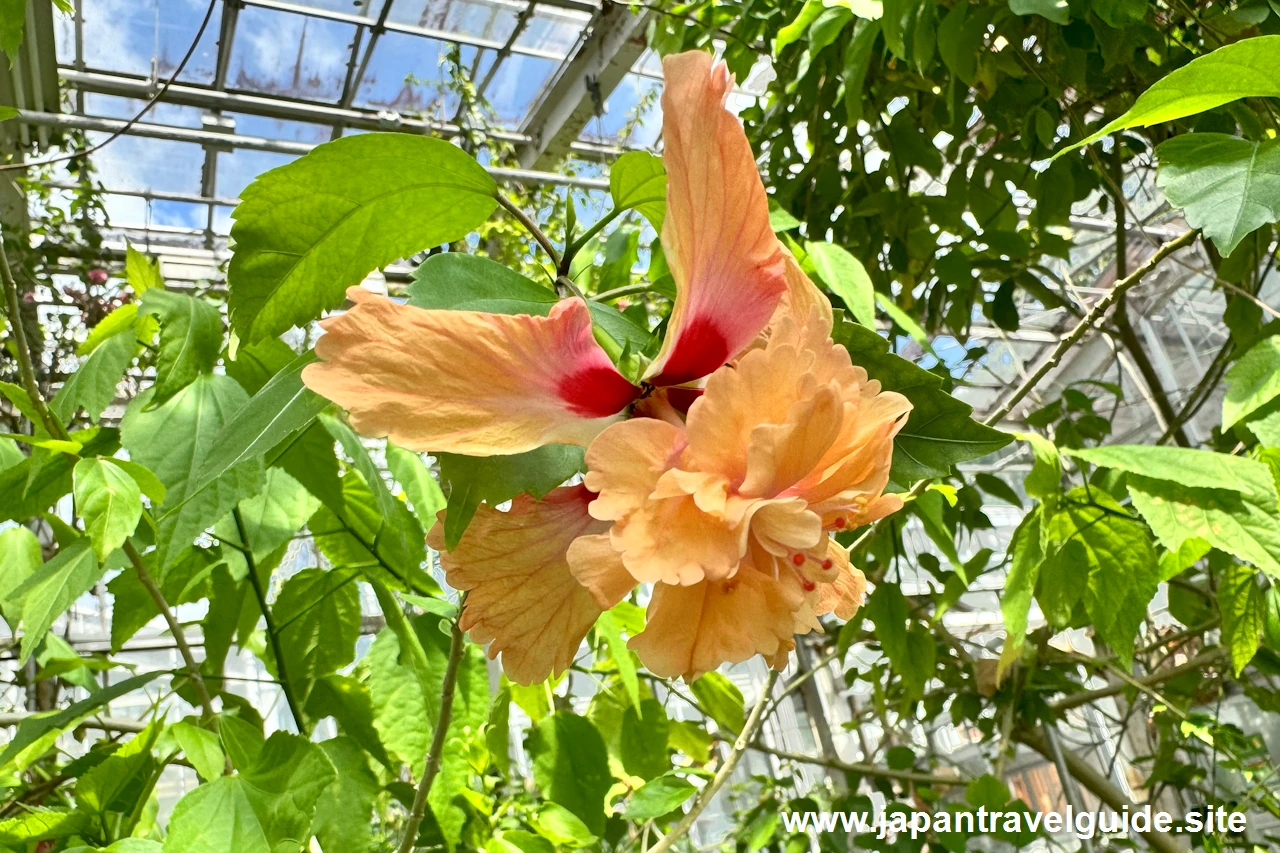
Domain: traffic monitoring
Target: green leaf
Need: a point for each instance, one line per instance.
(202, 748)
(53, 588)
(270, 518)
(1055, 10)
(496, 479)
(1228, 187)
(318, 617)
(348, 701)
(13, 23)
(20, 558)
(658, 797)
(190, 339)
(122, 779)
(1113, 567)
(344, 813)
(175, 440)
(611, 632)
(571, 766)
(1045, 478)
(411, 654)
(7, 113)
(795, 30)
(847, 278)
(1019, 586)
(141, 271)
(366, 200)
(939, 431)
(638, 181)
(780, 219)
(1243, 609)
(1252, 382)
(560, 826)
(110, 503)
(721, 699)
(1245, 69)
(643, 742)
(691, 739)
(27, 831)
(1228, 501)
(40, 728)
(148, 482)
(997, 488)
(118, 321)
(456, 281)
(420, 488)
(518, 841)
(281, 408)
(93, 385)
(359, 534)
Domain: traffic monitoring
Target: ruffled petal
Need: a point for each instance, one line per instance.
(465, 381)
(599, 568)
(521, 596)
(690, 630)
(728, 265)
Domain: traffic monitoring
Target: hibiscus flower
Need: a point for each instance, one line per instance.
(727, 510)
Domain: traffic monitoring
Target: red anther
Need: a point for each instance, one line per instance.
(826, 564)
(809, 586)
(798, 559)
(840, 522)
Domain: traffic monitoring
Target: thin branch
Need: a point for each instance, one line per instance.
(532, 227)
(871, 770)
(1075, 700)
(745, 737)
(619, 292)
(26, 369)
(273, 634)
(1090, 319)
(432, 765)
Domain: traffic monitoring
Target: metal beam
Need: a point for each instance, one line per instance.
(583, 83)
(258, 143)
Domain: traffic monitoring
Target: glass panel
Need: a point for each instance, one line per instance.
(364, 8)
(406, 74)
(516, 84)
(136, 163)
(284, 53)
(274, 128)
(633, 114)
(487, 19)
(237, 169)
(109, 106)
(125, 35)
(553, 29)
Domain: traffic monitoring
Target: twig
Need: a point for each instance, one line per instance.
(532, 227)
(619, 292)
(432, 764)
(796, 683)
(872, 770)
(273, 635)
(26, 370)
(1095, 313)
(1075, 700)
(745, 737)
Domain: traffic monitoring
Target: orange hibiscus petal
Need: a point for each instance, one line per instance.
(690, 630)
(599, 568)
(727, 263)
(521, 596)
(465, 381)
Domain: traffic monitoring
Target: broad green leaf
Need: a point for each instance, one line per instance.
(496, 479)
(571, 766)
(122, 779)
(318, 617)
(1243, 609)
(780, 219)
(1228, 187)
(1019, 587)
(284, 784)
(33, 828)
(691, 739)
(939, 431)
(7, 113)
(638, 181)
(347, 700)
(175, 440)
(10, 455)
(997, 488)
(1228, 501)
(1045, 477)
(13, 25)
(271, 518)
(20, 557)
(142, 272)
(561, 827)
(643, 742)
(118, 321)
(519, 841)
(1111, 565)
(796, 29)
(190, 339)
(1055, 10)
(366, 200)
(92, 386)
(928, 507)
(110, 503)
(148, 483)
(53, 588)
(1245, 69)
(1252, 382)
(658, 797)
(420, 488)
(1186, 555)
(427, 673)
(216, 818)
(282, 407)
(847, 278)
(40, 728)
(359, 534)
(611, 632)
(721, 699)
(202, 748)
(396, 699)
(344, 813)
(1271, 623)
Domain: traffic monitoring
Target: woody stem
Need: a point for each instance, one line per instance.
(745, 738)
(532, 227)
